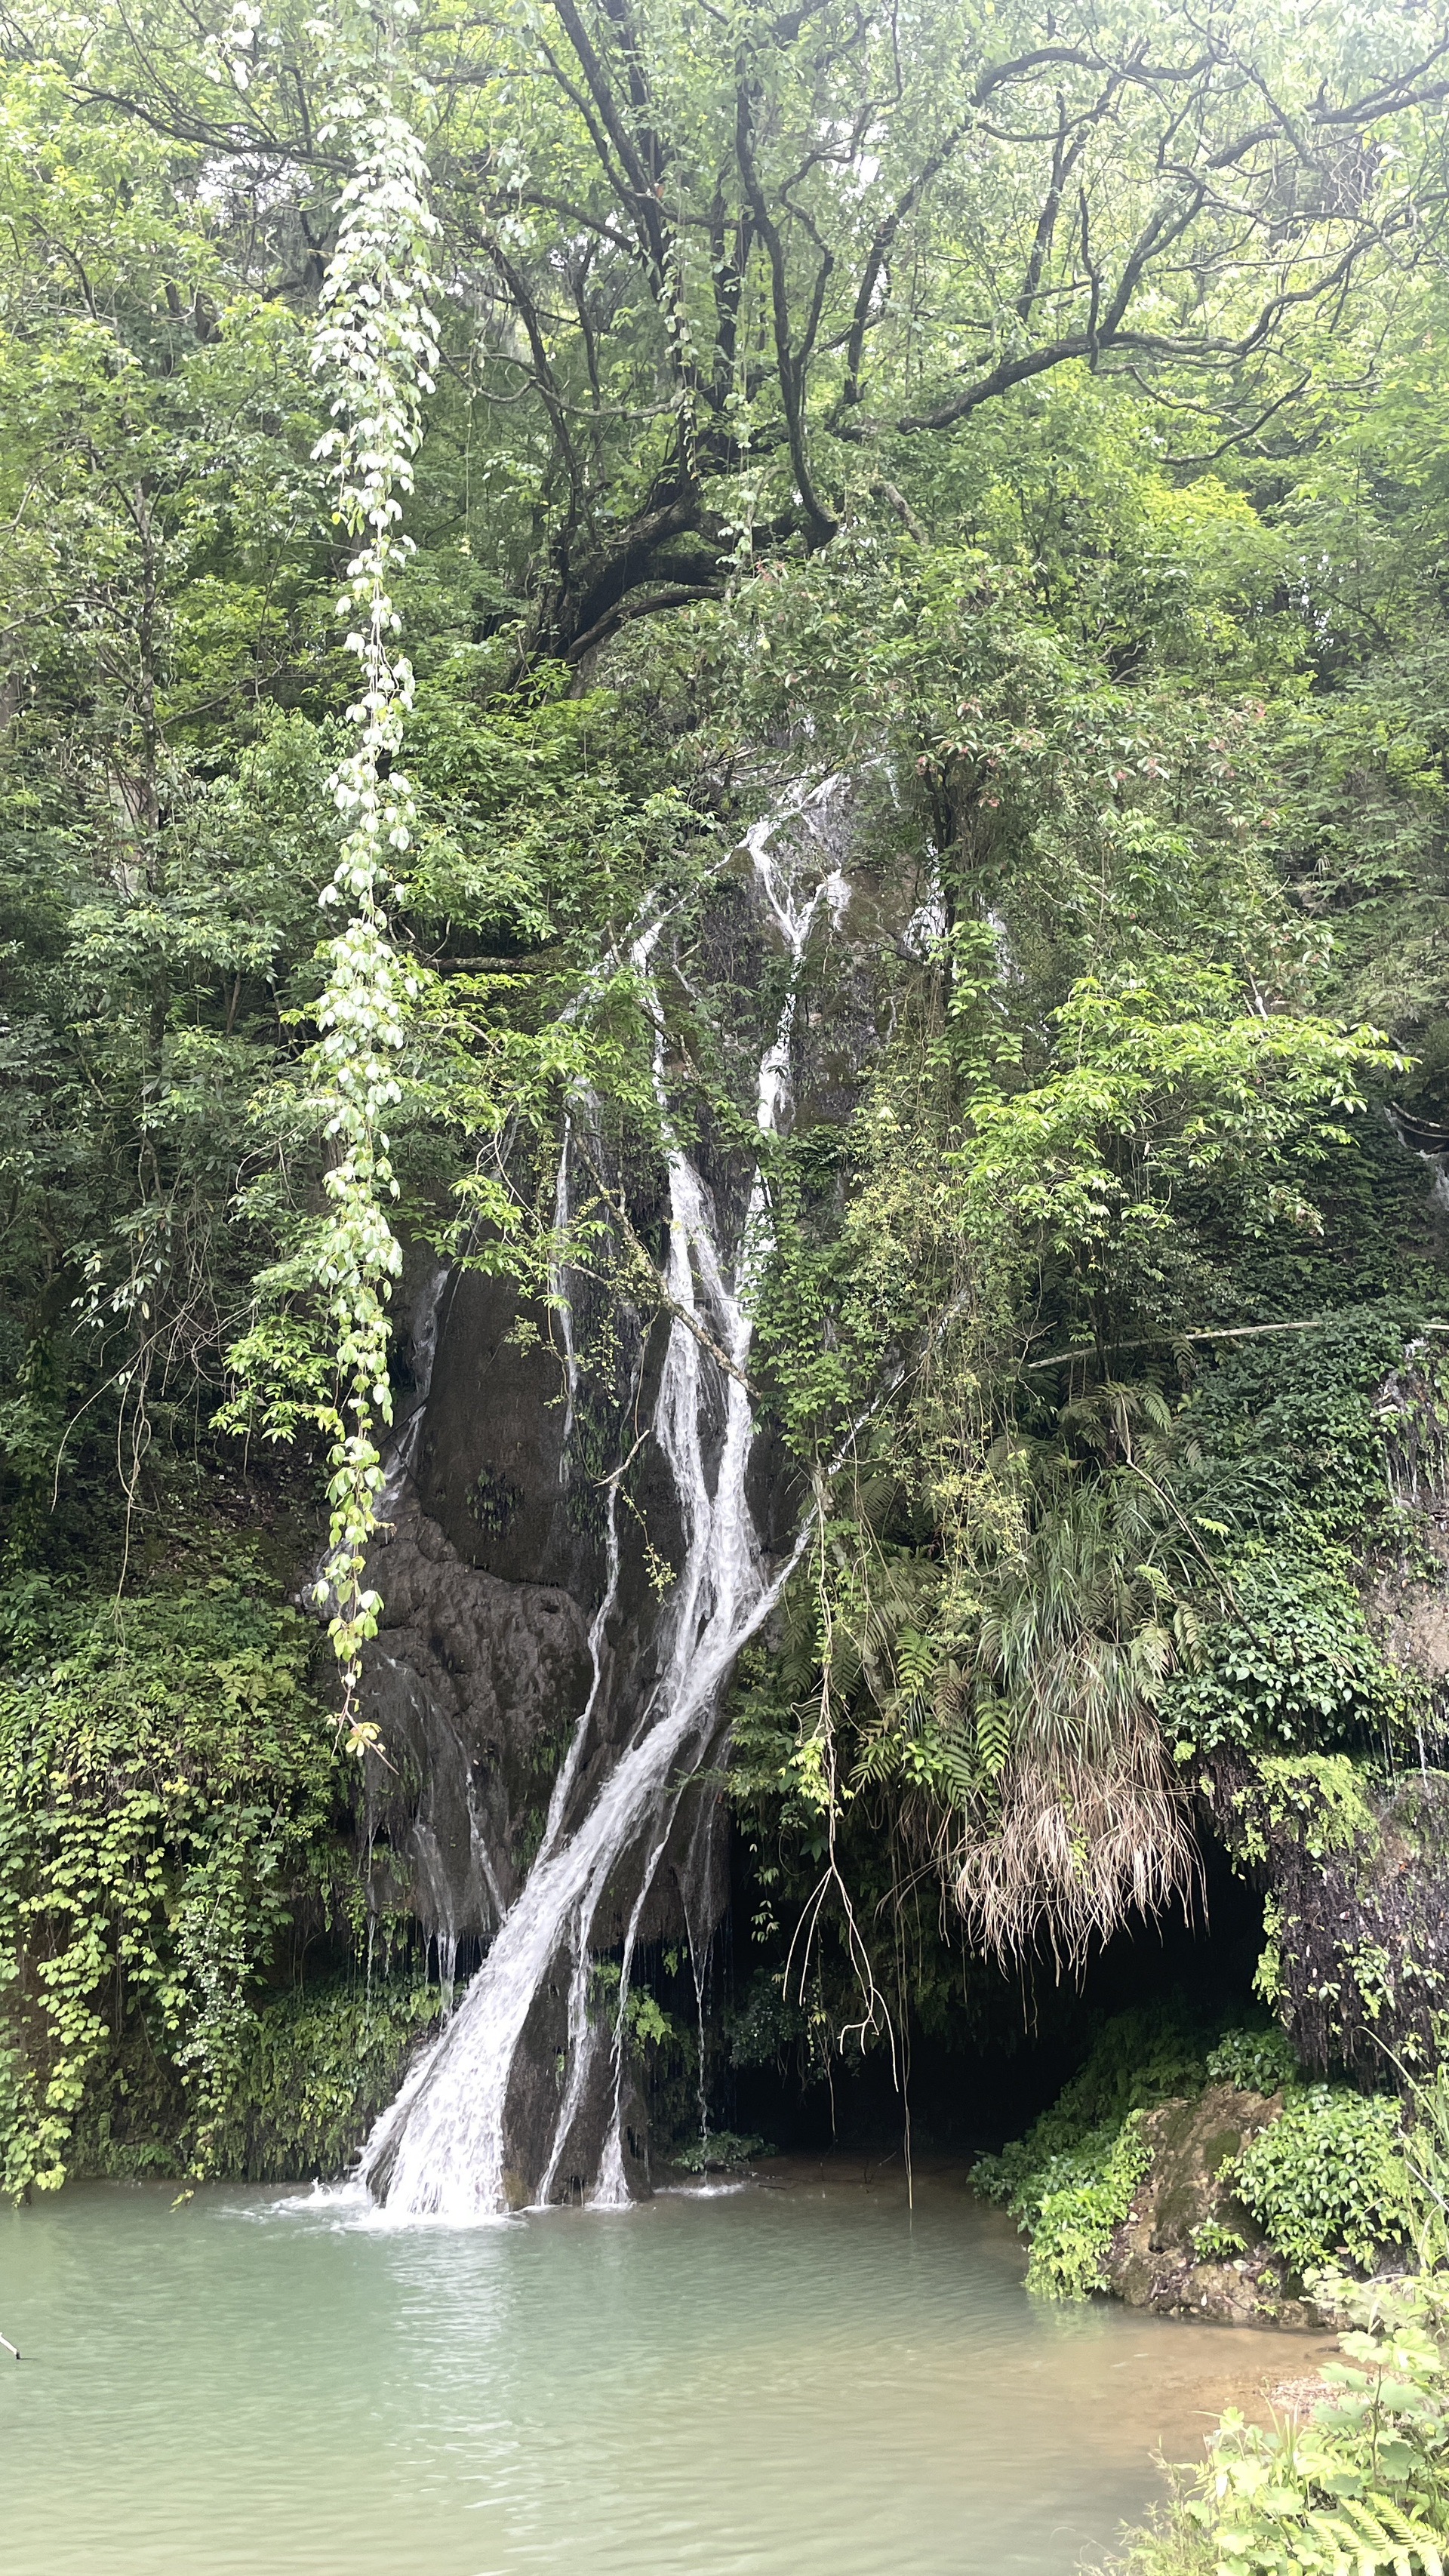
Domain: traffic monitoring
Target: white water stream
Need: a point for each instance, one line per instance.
(439, 2152)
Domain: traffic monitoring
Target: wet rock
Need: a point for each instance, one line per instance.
(474, 1684)
(477, 1685)
(1408, 1611)
(1186, 2246)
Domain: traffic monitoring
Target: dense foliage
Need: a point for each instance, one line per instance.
(1039, 419)
(1327, 2178)
(170, 1806)
(1330, 2178)
(1360, 2484)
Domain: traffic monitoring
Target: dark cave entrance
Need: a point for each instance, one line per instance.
(984, 2072)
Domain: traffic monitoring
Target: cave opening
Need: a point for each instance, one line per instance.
(984, 2063)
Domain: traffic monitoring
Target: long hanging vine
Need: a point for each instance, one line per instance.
(375, 348)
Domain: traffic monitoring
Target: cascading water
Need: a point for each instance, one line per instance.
(1429, 1143)
(441, 2150)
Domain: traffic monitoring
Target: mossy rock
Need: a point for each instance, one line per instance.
(1158, 2258)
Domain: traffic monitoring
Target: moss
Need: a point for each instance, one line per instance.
(318, 2066)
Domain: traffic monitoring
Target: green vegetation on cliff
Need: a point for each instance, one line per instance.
(1325, 2177)
(175, 1841)
(1027, 423)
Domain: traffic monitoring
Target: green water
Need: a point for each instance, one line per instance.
(803, 2380)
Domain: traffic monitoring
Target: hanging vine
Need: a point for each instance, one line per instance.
(374, 348)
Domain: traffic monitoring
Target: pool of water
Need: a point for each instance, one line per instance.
(797, 2378)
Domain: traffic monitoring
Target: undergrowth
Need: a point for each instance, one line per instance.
(1327, 2178)
(1326, 2181)
(1359, 2489)
(1070, 2181)
(317, 2067)
(171, 1826)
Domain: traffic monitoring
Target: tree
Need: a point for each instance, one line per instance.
(732, 265)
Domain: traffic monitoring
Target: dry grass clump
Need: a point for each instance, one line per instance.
(1078, 1846)
(1078, 1822)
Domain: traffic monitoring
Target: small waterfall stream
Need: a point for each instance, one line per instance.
(441, 2150)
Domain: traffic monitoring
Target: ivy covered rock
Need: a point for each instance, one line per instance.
(1207, 2180)
(175, 1835)
(1078, 2176)
(1356, 1869)
(1188, 2246)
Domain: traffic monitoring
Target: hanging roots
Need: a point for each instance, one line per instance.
(1074, 1850)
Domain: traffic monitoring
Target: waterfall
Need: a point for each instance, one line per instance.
(440, 2150)
(424, 1325)
(1428, 1142)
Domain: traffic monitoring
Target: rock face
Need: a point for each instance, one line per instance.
(1156, 2260)
(473, 1682)
(479, 1685)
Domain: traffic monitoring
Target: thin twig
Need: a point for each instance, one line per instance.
(1206, 1333)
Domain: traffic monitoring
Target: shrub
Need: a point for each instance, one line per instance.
(1076, 2201)
(1362, 2487)
(1256, 2061)
(723, 2151)
(170, 1794)
(1328, 2178)
(1137, 2059)
(1069, 2182)
(1216, 2242)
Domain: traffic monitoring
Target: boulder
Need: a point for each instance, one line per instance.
(1186, 2246)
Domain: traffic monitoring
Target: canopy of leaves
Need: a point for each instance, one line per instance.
(1039, 417)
